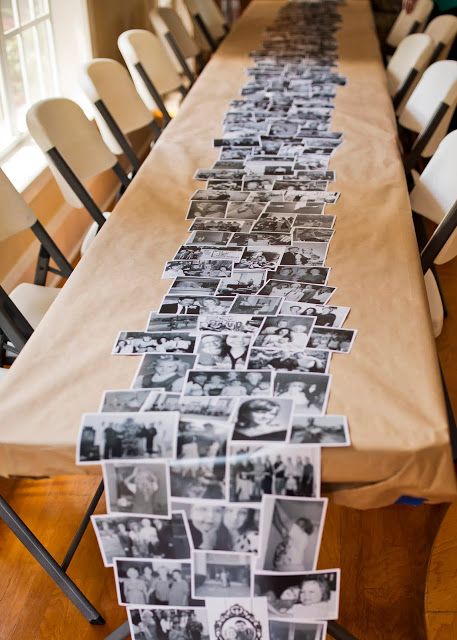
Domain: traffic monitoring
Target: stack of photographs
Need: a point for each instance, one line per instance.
(212, 458)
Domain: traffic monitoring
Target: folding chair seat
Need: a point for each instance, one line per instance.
(118, 108)
(75, 152)
(410, 59)
(151, 68)
(181, 47)
(433, 197)
(407, 23)
(442, 30)
(429, 109)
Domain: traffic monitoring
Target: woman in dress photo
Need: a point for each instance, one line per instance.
(289, 554)
(257, 420)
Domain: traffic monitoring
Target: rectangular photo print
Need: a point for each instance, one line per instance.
(285, 630)
(338, 340)
(218, 574)
(310, 391)
(133, 343)
(123, 400)
(297, 291)
(307, 254)
(263, 419)
(163, 371)
(256, 305)
(194, 305)
(232, 323)
(198, 268)
(222, 351)
(285, 332)
(202, 209)
(257, 470)
(168, 623)
(286, 359)
(326, 315)
(228, 383)
(313, 275)
(258, 259)
(323, 431)
(158, 322)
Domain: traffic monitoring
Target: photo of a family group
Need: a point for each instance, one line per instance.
(211, 460)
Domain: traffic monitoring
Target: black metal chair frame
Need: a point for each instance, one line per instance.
(155, 93)
(424, 138)
(205, 32)
(180, 57)
(405, 87)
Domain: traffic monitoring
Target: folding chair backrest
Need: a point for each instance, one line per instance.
(437, 85)
(60, 123)
(109, 81)
(171, 22)
(141, 46)
(413, 52)
(211, 16)
(406, 22)
(442, 29)
(15, 214)
(435, 192)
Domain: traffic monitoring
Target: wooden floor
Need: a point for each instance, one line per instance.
(383, 554)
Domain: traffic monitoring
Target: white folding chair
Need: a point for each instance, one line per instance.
(429, 109)
(407, 23)
(410, 59)
(182, 48)
(118, 108)
(433, 197)
(75, 152)
(151, 69)
(442, 30)
(208, 22)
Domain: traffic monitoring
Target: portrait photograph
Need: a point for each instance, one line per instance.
(218, 574)
(263, 418)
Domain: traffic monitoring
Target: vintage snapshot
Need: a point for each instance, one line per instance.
(259, 239)
(257, 470)
(138, 537)
(140, 488)
(311, 253)
(324, 431)
(190, 305)
(263, 418)
(132, 343)
(207, 253)
(313, 275)
(241, 282)
(238, 619)
(169, 623)
(326, 316)
(200, 224)
(123, 400)
(220, 195)
(202, 479)
(244, 210)
(309, 390)
(218, 574)
(163, 371)
(339, 340)
(291, 533)
(151, 581)
(300, 597)
(254, 259)
(193, 286)
(158, 322)
(312, 234)
(159, 400)
(209, 238)
(256, 305)
(198, 268)
(286, 332)
(118, 436)
(206, 210)
(282, 358)
(274, 222)
(314, 220)
(207, 407)
(222, 527)
(222, 351)
(285, 630)
(297, 291)
(228, 383)
(230, 323)
(202, 439)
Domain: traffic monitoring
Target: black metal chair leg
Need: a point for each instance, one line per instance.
(121, 633)
(338, 632)
(440, 290)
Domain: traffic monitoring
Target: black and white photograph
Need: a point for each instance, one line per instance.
(138, 537)
(285, 630)
(312, 197)
(254, 259)
(314, 220)
(228, 383)
(313, 275)
(158, 322)
(119, 436)
(326, 316)
(154, 581)
(338, 340)
(238, 618)
(256, 305)
(222, 527)
(241, 282)
(263, 419)
(193, 286)
(133, 343)
(202, 439)
(140, 488)
(209, 238)
(309, 390)
(309, 254)
(220, 196)
(222, 351)
(300, 597)
(284, 359)
(265, 196)
(297, 291)
(244, 210)
(218, 574)
(159, 400)
(259, 239)
(257, 470)
(312, 163)
(198, 268)
(163, 371)
(202, 224)
(207, 407)
(274, 222)
(323, 431)
(286, 332)
(198, 478)
(206, 210)
(291, 533)
(208, 253)
(153, 622)
(218, 174)
(230, 323)
(312, 234)
(123, 400)
(258, 183)
(280, 169)
(193, 305)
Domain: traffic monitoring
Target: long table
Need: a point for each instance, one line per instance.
(389, 387)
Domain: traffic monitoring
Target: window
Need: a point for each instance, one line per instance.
(27, 69)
